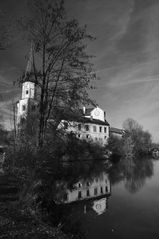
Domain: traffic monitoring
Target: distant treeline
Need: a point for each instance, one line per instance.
(135, 142)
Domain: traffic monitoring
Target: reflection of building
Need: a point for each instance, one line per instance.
(92, 125)
(96, 191)
(100, 205)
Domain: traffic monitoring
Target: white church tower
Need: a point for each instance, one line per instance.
(28, 98)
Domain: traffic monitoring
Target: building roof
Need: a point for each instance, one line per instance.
(87, 111)
(116, 130)
(30, 68)
(93, 121)
(78, 116)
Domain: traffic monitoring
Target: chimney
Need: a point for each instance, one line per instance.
(104, 115)
(84, 110)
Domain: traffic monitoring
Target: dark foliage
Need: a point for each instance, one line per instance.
(133, 171)
(134, 143)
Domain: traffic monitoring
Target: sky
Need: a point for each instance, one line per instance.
(126, 59)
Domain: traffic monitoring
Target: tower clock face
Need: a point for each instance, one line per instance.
(97, 112)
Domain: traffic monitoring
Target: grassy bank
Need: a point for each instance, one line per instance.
(15, 220)
(15, 223)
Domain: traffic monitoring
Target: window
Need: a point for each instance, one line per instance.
(95, 191)
(88, 183)
(79, 127)
(27, 92)
(79, 195)
(100, 129)
(105, 129)
(87, 127)
(88, 194)
(94, 128)
(80, 185)
(79, 135)
(23, 107)
(106, 189)
(87, 136)
(101, 190)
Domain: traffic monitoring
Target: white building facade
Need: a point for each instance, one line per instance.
(92, 126)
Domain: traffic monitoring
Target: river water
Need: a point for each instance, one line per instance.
(119, 202)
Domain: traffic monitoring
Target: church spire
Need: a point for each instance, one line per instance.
(30, 69)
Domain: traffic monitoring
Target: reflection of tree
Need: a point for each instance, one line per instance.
(76, 171)
(137, 174)
(62, 178)
(133, 185)
(134, 171)
(116, 173)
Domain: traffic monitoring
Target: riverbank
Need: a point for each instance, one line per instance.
(15, 223)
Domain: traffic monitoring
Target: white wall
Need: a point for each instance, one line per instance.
(101, 137)
(28, 90)
(98, 114)
(20, 111)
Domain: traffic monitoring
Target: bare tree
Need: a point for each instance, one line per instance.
(63, 70)
(136, 139)
(130, 125)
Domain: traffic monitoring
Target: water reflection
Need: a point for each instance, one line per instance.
(133, 172)
(95, 189)
(78, 199)
(85, 190)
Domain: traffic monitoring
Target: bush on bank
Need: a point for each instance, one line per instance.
(133, 145)
(37, 169)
